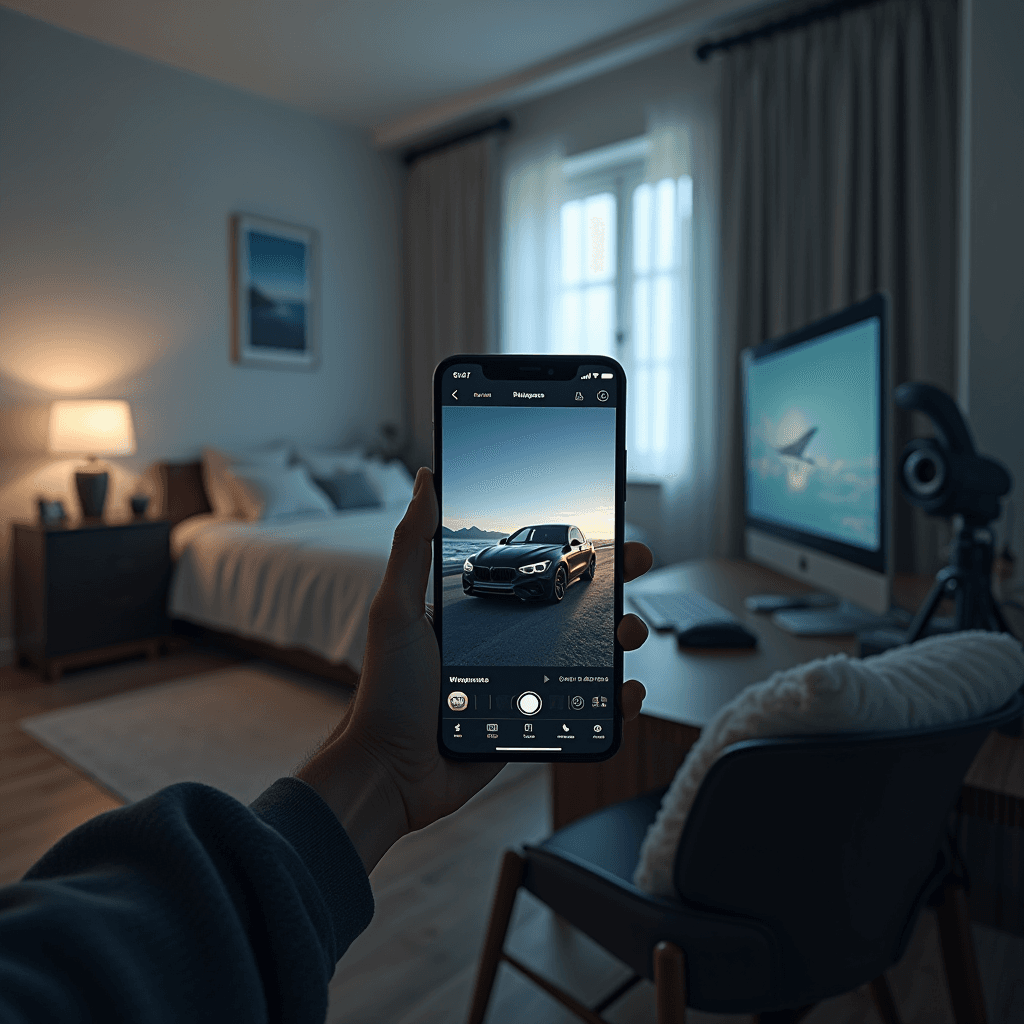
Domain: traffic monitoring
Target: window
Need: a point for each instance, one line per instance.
(631, 300)
(600, 262)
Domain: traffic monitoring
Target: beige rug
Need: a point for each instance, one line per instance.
(238, 729)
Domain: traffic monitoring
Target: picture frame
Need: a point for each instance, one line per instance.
(275, 270)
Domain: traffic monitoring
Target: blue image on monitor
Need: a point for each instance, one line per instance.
(813, 430)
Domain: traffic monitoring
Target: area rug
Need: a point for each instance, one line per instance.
(238, 729)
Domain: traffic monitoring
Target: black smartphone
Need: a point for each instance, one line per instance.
(530, 471)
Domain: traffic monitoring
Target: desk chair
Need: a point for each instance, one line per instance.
(801, 872)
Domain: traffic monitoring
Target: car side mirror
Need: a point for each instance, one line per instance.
(504, 540)
(574, 543)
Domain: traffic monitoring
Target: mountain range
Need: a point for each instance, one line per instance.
(471, 533)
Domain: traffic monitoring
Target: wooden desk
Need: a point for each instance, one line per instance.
(685, 690)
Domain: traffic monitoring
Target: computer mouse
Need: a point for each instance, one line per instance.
(717, 634)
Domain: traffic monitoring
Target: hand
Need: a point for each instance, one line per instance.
(380, 770)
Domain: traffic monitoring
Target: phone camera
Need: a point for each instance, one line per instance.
(550, 372)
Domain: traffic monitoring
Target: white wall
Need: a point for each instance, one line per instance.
(117, 179)
(993, 265)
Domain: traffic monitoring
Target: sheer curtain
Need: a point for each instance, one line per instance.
(672, 393)
(531, 257)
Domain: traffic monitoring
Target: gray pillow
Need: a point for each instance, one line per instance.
(349, 490)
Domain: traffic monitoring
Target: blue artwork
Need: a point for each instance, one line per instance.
(277, 292)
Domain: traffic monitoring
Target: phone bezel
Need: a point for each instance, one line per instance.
(537, 367)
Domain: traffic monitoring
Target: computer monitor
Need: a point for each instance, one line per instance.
(816, 462)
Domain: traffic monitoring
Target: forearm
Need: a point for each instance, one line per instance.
(185, 906)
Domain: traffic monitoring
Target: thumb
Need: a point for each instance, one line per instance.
(404, 587)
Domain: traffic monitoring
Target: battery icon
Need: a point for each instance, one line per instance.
(607, 376)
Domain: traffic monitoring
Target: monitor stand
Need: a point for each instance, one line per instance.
(845, 618)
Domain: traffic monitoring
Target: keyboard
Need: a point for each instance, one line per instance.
(679, 611)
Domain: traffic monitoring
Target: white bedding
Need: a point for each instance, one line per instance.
(306, 582)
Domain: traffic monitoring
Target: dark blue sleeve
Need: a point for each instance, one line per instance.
(185, 906)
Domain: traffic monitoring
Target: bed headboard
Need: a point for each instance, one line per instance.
(184, 495)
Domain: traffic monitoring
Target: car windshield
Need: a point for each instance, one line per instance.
(540, 535)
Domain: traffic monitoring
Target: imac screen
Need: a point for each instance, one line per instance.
(814, 436)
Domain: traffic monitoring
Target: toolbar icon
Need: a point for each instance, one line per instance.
(577, 703)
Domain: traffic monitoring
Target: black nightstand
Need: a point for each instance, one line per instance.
(90, 592)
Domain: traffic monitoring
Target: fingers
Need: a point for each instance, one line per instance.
(405, 579)
(633, 694)
(636, 559)
(632, 632)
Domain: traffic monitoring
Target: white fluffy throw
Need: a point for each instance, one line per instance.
(937, 681)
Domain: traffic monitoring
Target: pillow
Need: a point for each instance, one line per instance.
(325, 462)
(225, 496)
(349, 490)
(392, 481)
(937, 681)
(275, 493)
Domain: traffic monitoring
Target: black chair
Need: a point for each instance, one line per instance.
(802, 870)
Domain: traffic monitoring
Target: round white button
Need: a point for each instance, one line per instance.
(528, 703)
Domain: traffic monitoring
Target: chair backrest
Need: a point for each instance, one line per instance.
(832, 841)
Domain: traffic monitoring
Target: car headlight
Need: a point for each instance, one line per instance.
(467, 566)
(530, 570)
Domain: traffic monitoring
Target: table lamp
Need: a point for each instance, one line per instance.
(92, 427)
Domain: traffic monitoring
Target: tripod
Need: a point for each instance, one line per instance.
(967, 578)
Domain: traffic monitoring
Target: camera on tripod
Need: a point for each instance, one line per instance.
(945, 476)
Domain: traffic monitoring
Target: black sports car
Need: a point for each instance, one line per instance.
(536, 562)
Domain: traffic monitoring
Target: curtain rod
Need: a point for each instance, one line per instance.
(503, 124)
(793, 21)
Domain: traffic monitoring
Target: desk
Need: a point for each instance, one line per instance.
(686, 689)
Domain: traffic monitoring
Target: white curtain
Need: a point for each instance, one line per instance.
(531, 250)
(673, 393)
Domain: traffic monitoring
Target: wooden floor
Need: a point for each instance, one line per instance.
(415, 963)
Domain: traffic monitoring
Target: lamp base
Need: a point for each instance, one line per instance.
(92, 493)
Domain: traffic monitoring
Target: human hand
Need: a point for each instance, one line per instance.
(380, 770)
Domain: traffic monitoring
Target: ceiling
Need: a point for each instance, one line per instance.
(366, 63)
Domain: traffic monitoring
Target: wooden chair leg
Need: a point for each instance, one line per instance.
(669, 984)
(885, 1004)
(958, 956)
(509, 880)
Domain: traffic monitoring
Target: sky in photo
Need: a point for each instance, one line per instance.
(505, 468)
(277, 266)
(830, 384)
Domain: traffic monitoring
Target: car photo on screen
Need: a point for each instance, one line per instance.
(528, 536)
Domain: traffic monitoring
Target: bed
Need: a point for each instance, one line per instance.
(296, 589)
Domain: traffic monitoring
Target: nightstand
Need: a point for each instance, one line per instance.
(90, 592)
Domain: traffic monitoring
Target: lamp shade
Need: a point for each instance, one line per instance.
(92, 427)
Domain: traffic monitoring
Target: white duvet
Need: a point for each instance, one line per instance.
(303, 582)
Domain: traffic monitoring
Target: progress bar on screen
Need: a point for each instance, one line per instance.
(527, 748)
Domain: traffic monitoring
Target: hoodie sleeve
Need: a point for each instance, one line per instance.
(187, 905)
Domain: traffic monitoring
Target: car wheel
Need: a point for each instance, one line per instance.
(588, 573)
(559, 584)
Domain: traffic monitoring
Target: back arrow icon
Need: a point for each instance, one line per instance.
(455, 394)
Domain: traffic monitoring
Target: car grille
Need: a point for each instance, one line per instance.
(487, 575)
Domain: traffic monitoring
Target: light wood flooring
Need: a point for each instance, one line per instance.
(415, 963)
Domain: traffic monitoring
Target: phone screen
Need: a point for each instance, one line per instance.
(526, 581)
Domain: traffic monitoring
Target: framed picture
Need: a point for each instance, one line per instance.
(276, 309)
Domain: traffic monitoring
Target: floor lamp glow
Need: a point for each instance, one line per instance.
(92, 427)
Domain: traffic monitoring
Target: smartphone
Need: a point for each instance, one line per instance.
(529, 466)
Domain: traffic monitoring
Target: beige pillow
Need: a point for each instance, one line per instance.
(229, 496)
(938, 681)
